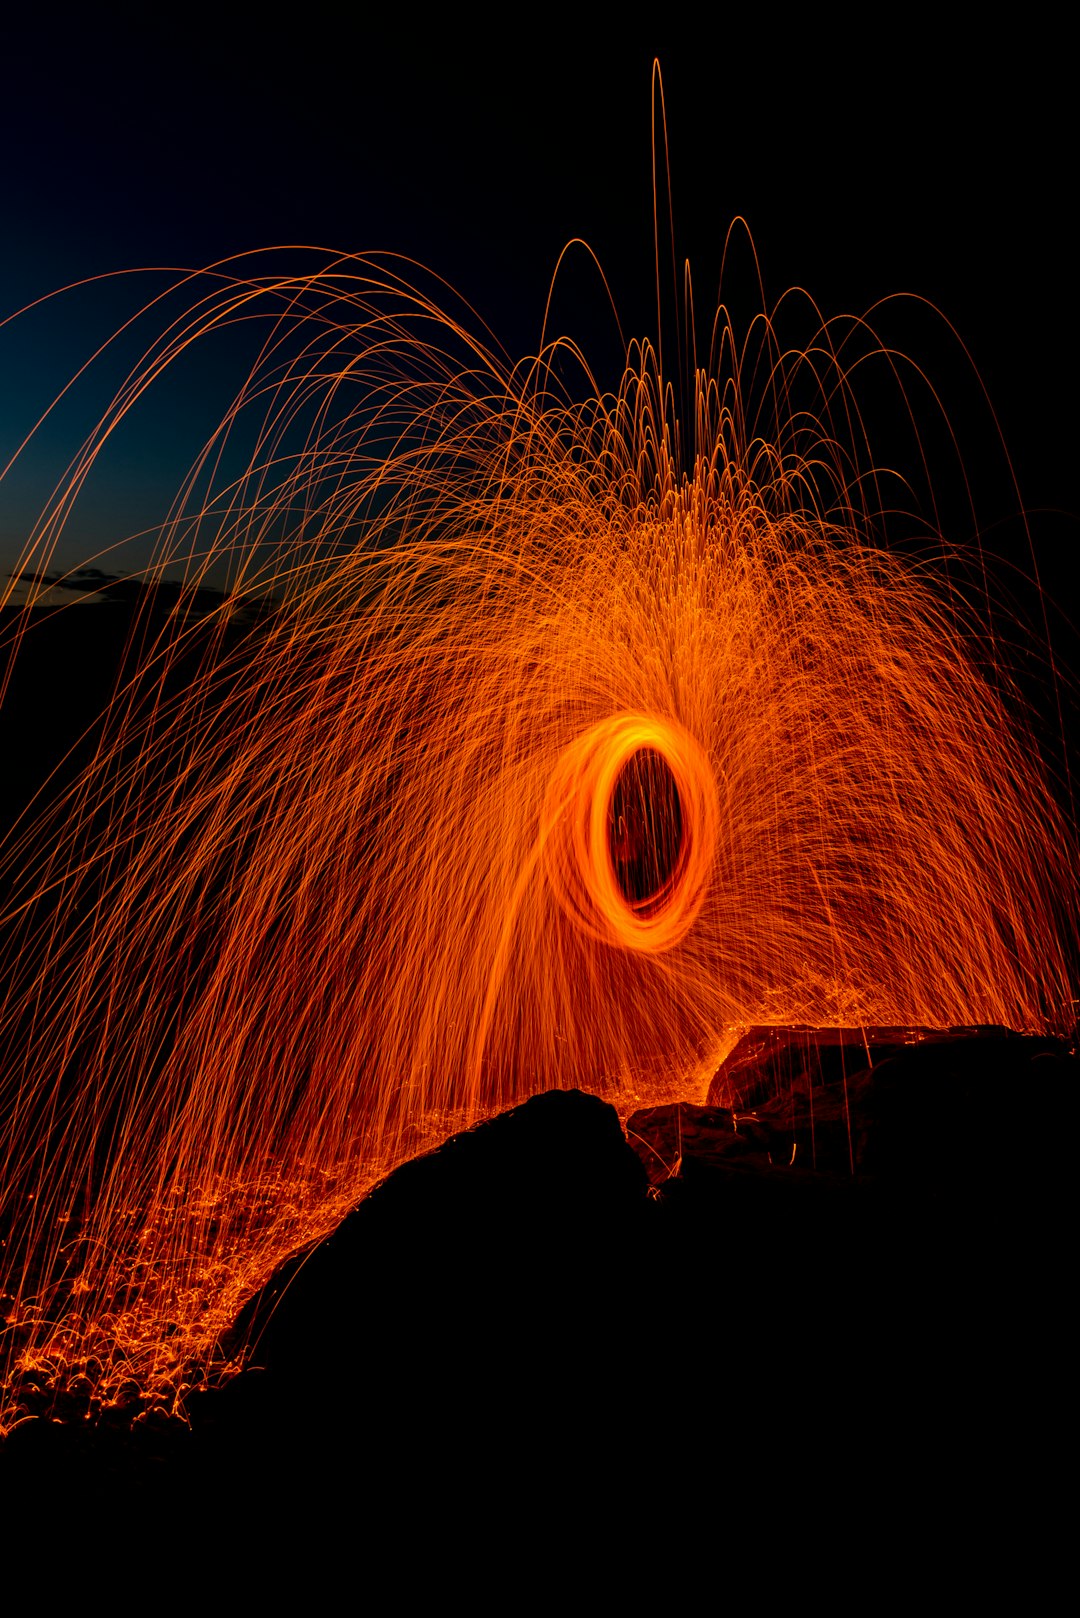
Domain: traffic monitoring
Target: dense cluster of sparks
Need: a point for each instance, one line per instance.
(566, 741)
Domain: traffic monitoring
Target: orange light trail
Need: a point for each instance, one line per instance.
(569, 738)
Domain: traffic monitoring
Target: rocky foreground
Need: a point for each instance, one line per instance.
(863, 1247)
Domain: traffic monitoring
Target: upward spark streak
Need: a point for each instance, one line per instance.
(563, 754)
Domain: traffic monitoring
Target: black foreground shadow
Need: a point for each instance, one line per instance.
(868, 1255)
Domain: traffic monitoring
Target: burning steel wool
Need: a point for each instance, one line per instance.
(534, 740)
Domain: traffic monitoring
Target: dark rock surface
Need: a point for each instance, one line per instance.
(904, 1103)
(539, 1293)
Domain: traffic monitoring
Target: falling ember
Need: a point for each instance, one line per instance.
(567, 739)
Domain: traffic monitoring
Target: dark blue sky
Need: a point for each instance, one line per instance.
(863, 168)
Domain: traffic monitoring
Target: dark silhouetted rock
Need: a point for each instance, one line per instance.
(538, 1299)
(679, 1134)
(772, 1061)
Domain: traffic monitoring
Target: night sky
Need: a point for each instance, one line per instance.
(863, 167)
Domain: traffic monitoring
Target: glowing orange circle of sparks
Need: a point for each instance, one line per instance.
(542, 738)
(576, 826)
